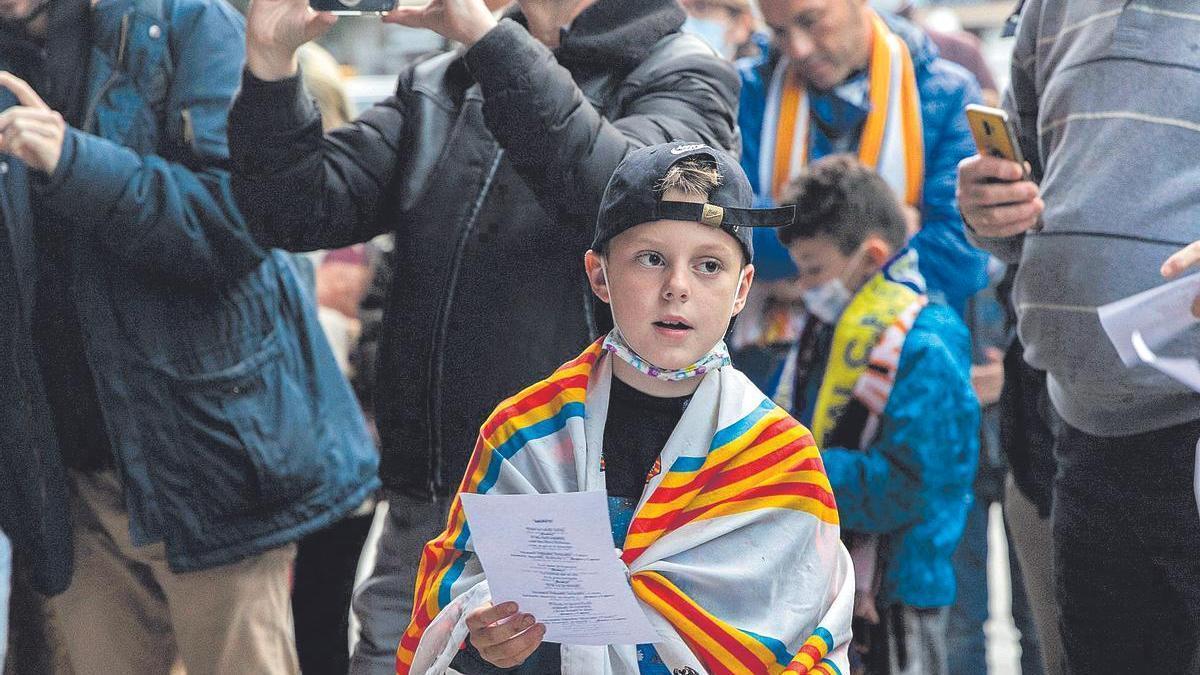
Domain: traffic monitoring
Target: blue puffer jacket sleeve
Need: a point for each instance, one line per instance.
(174, 219)
(914, 482)
(752, 103)
(957, 269)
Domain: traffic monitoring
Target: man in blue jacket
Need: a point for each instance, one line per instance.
(173, 366)
(840, 78)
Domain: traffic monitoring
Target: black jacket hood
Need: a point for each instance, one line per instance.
(615, 33)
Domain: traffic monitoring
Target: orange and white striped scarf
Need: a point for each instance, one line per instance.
(891, 138)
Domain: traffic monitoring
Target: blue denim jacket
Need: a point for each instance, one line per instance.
(232, 427)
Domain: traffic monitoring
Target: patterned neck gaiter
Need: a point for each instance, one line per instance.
(716, 357)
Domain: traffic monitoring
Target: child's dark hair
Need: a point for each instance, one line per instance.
(841, 198)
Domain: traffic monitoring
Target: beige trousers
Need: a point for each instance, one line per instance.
(1035, 552)
(126, 612)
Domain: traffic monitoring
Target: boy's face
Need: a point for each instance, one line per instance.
(819, 261)
(673, 287)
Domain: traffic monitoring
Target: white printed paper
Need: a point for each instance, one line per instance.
(553, 555)
(1159, 314)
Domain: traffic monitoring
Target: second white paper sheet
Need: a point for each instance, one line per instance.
(553, 555)
(1158, 315)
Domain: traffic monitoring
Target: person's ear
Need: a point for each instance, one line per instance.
(744, 285)
(593, 265)
(877, 252)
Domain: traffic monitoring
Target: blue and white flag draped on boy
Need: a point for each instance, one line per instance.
(734, 550)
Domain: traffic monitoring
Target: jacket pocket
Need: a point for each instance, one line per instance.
(250, 435)
(124, 116)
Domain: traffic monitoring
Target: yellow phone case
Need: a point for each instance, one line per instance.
(993, 134)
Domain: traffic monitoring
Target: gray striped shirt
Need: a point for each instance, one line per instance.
(1106, 98)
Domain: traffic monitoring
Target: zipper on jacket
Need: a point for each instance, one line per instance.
(118, 66)
(442, 326)
(189, 131)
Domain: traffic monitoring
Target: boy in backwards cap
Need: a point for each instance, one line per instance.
(718, 499)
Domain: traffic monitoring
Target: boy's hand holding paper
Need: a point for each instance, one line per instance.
(552, 555)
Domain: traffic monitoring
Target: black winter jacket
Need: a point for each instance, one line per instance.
(489, 165)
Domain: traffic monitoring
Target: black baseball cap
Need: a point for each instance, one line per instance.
(633, 196)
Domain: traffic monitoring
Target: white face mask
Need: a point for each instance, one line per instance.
(713, 359)
(829, 300)
(712, 32)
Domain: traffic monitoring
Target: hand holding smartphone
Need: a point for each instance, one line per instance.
(996, 199)
(993, 133)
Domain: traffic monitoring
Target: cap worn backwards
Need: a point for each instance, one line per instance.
(632, 196)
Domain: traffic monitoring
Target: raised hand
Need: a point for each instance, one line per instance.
(275, 29)
(995, 197)
(31, 131)
(463, 21)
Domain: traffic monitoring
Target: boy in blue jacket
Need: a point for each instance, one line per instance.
(879, 374)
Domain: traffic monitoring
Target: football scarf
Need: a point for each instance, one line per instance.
(891, 140)
(867, 342)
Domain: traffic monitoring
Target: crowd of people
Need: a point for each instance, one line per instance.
(737, 264)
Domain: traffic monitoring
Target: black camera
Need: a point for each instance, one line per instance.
(353, 7)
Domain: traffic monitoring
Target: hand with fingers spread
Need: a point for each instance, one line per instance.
(463, 21)
(275, 29)
(31, 131)
(504, 637)
(1181, 261)
(996, 197)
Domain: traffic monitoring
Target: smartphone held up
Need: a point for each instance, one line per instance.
(361, 7)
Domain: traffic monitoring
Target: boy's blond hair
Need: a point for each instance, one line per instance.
(323, 79)
(695, 177)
